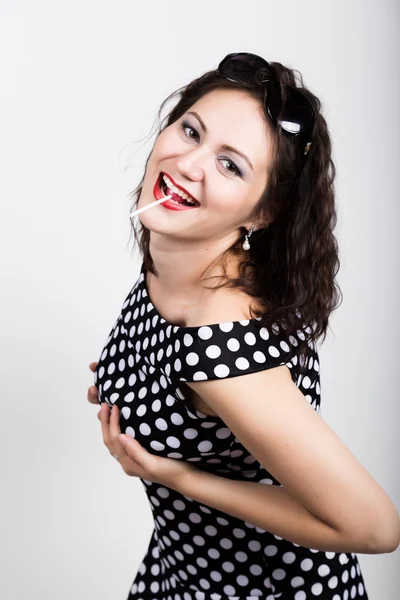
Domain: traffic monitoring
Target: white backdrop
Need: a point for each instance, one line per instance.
(80, 82)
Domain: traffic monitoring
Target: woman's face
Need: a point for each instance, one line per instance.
(226, 183)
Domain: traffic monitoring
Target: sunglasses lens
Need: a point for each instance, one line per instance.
(296, 116)
(242, 65)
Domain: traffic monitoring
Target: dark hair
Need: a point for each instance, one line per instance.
(292, 263)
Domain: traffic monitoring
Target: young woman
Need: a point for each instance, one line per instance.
(218, 386)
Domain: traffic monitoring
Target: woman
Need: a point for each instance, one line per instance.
(217, 387)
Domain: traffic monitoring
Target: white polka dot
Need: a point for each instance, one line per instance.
(173, 442)
(210, 530)
(270, 550)
(255, 570)
(242, 580)
(333, 582)
(241, 556)
(199, 376)
(141, 410)
(274, 351)
(192, 359)
(289, 558)
(156, 445)
(250, 338)
(213, 351)
(204, 446)
(221, 371)
(259, 357)
(279, 574)
(229, 590)
(223, 433)
(199, 541)
(239, 533)
(306, 564)
(156, 406)
(144, 429)
(317, 589)
(285, 347)
(176, 419)
(242, 363)
(205, 584)
(233, 344)
(205, 333)
(323, 570)
(228, 567)
(226, 327)
(254, 545)
(195, 518)
(190, 433)
(187, 339)
(126, 412)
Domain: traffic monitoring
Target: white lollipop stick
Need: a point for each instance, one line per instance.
(136, 212)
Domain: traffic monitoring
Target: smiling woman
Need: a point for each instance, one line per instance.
(226, 379)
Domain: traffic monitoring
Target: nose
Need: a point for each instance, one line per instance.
(191, 165)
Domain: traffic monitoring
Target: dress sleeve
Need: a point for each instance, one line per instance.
(235, 348)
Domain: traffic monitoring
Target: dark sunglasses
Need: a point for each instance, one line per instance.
(294, 115)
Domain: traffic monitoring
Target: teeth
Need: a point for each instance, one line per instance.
(186, 197)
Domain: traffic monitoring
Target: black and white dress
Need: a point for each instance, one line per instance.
(197, 552)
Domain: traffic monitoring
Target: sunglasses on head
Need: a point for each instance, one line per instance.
(294, 114)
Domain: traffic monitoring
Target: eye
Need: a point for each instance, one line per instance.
(187, 126)
(236, 170)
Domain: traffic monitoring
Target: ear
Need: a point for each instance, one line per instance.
(257, 225)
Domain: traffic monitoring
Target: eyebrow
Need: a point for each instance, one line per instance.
(224, 146)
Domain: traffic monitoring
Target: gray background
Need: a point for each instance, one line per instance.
(80, 82)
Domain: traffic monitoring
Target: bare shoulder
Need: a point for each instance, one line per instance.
(224, 305)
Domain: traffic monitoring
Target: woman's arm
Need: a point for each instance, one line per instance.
(328, 497)
(273, 509)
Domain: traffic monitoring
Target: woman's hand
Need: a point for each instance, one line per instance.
(132, 457)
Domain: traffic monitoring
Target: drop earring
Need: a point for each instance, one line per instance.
(246, 244)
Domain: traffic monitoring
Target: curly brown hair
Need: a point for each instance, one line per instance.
(292, 263)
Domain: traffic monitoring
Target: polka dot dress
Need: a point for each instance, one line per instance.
(197, 552)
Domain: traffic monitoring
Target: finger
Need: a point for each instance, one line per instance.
(93, 366)
(105, 427)
(93, 395)
(115, 432)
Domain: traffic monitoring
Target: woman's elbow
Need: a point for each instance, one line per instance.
(381, 535)
(387, 536)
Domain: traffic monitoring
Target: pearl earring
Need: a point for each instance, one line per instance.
(246, 244)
